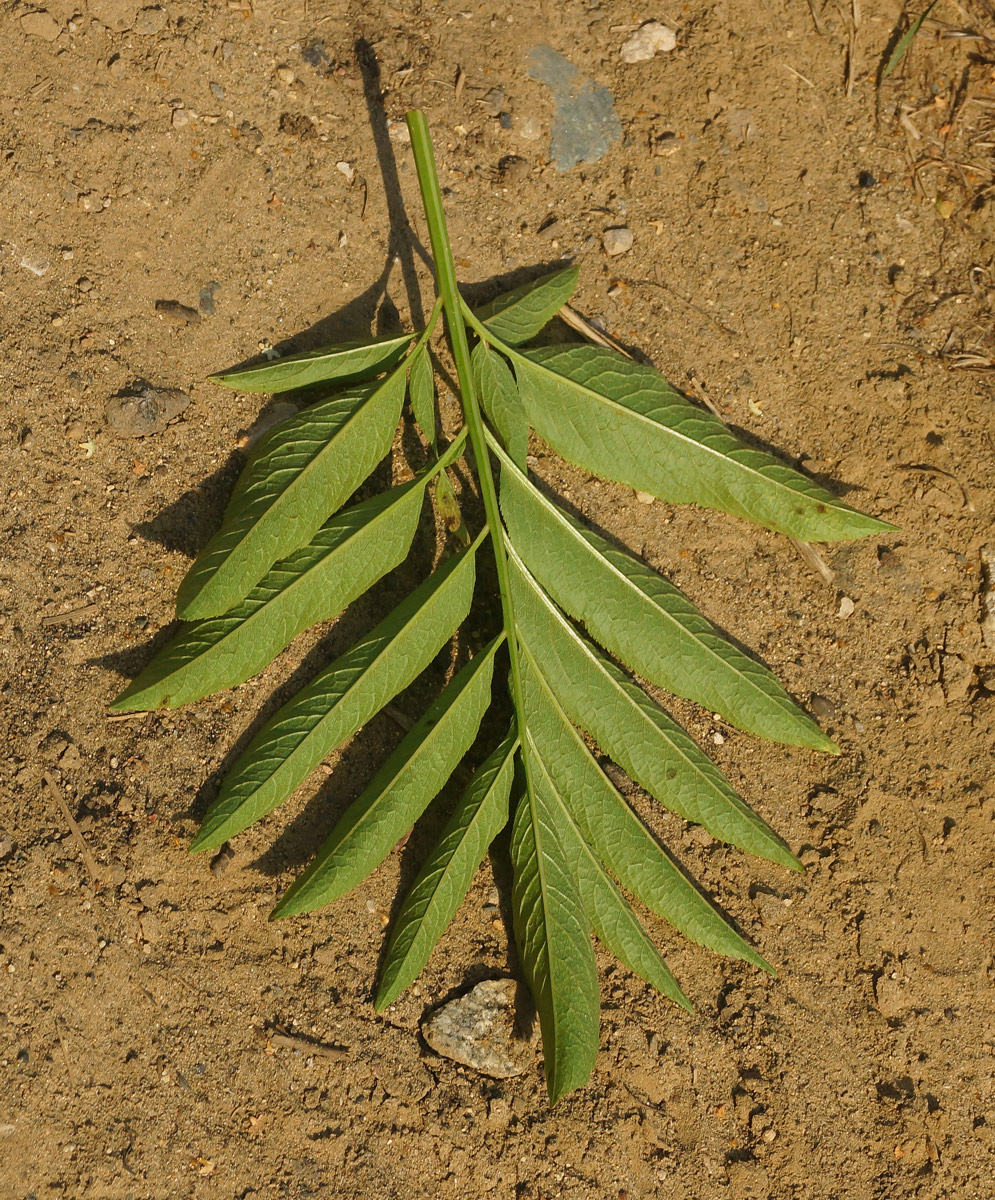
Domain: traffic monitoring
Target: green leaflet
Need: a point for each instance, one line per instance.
(347, 363)
(502, 403)
(399, 792)
(421, 389)
(623, 421)
(300, 473)
(634, 731)
(662, 636)
(442, 883)
(520, 314)
(613, 829)
(905, 41)
(347, 556)
(340, 700)
(613, 921)
(555, 947)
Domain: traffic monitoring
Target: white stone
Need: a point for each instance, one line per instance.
(649, 40)
(617, 240)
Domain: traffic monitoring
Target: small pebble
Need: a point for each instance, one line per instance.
(150, 21)
(222, 860)
(180, 118)
(512, 169)
(117, 15)
(645, 497)
(617, 240)
(285, 76)
(41, 25)
(146, 412)
(35, 264)
(217, 91)
(823, 707)
(205, 301)
(649, 40)
(846, 608)
(493, 102)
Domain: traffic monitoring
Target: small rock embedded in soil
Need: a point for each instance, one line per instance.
(478, 1030)
(617, 240)
(493, 102)
(512, 169)
(173, 310)
(150, 21)
(649, 40)
(117, 15)
(206, 299)
(140, 414)
(584, 119)
(41, 25)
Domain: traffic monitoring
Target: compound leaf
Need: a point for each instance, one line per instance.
(518, 315)
(340, 700)
(299, 473)
(627, 725)
(399, 792)
(551, 932)
(646, 621)
(442, 883)
(347, 363)
(625, 422)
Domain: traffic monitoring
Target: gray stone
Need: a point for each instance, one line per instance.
(584, 120)
(478, 1030)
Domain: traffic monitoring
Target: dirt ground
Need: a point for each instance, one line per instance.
(813, 253)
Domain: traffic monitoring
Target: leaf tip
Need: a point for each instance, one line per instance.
(205, 840)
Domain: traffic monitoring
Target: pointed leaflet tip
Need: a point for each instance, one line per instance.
(347, 363)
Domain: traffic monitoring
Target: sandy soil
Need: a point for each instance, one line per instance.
(819, 268)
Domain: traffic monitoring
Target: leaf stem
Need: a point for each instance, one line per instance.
(445, 271)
